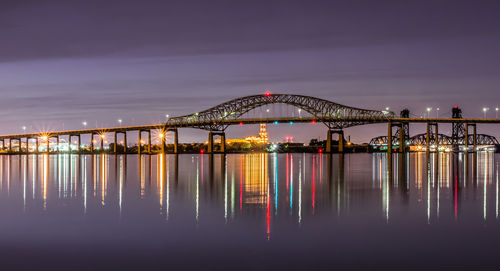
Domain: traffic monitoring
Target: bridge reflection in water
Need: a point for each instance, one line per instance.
(267, 188)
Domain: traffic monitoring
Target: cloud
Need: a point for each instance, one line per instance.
(62, 29)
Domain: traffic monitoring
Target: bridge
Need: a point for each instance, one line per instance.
(336, 117)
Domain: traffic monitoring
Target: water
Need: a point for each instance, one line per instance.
(248, 212)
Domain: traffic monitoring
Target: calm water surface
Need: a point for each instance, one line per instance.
(249, 212)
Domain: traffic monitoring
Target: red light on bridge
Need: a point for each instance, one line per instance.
(202, 151)
(241, 123)
(313, 122)
(267, 93)
(320, 150)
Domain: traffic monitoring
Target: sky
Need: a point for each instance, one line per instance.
(65, 62)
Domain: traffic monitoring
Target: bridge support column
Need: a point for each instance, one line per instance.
(223, 142)
(436, 141)
(432, 131)
(125, 142)
(329, 134)
(211, 135)
(48, 144)
(401, 139)
(57, 146)
(428, 138)
(163, 141)
(328, 141)
(36, 144)
(10, 144)
(474, 138)
(79, 142)
(69, 143)
(176, 141)
(341, 141)
(389, 151)
(92, 143)
(115, 149)
(149, 141)
(102, 142)
(139, 143)
(3, 144)
(210, 142)
(466, 138)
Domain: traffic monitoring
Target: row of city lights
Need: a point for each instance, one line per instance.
(429, 109)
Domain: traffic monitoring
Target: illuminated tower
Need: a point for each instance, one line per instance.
(263, 134)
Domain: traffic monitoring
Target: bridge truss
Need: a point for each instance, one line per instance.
(421, 139)
(333, 115)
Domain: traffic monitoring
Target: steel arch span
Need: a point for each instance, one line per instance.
(333, 115)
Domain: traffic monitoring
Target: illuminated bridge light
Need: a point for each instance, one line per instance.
(313, 121)
(241, 123)
(291, 122)
(275, 122)
(267, 93)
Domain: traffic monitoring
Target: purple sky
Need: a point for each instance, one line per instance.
(63, 62)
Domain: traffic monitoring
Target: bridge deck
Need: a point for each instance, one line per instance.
(361, 120)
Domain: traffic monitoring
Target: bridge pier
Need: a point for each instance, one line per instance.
(115, 139)
(211, 135)
(389, 150)
(102, 142)
(431, 131)
(115, 142)
(210, 142)
(329, 140)
(163, 142)
(176, 141)
(466, 138)
(474, 138)
(69, 144)
(57, 146)
(125, 142)
(163, 138)
(92, 143)
(36, 145)
(10, 144)
(139, 143)
(149, 141)
(27, 145)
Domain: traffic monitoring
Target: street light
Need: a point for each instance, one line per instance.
(24, 129)
(485, 109)
(120, 121)
(429, 112)
(496, 113)
(437, 112)
(84, 124)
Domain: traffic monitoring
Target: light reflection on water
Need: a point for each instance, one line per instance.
(288, 183)
(269, 193)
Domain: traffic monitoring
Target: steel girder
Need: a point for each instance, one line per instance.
(421, 139)
(333, 115)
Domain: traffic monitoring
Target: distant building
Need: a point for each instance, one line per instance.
(261, 139)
